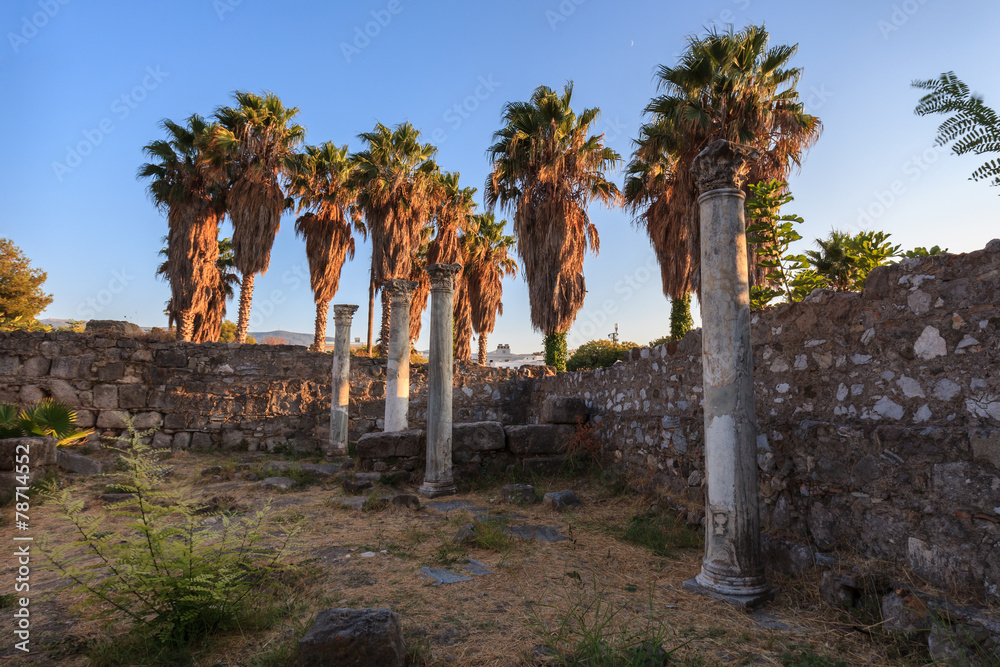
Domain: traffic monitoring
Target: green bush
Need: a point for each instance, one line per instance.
(555, 351)
(47, 418)
(598, 354)
(154, 562)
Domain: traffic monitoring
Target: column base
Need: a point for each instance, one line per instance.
(745, 601)
(437, 489)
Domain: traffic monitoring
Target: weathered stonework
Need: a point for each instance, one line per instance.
(878, 422)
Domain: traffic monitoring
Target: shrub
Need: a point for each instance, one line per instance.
(165, 570)
(47, 418)
(598, 354)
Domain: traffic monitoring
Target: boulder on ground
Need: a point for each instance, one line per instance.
(538, 438)
(518, 493)
(113, 327)
(281, 483)
(394, 443)
(561, 499)
(839, 590)
(82, 464)
(40, 452)
(478, 437)
(358, 637)
(564, 410)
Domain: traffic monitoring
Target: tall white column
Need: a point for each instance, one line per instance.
(438, 479)
(397, 382)
(732, 568)
(341, 381)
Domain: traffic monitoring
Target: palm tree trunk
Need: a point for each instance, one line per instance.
(482, 349)
(384, 342)
(322, 310)
(246, 296)
(185, 327)
(371, 308)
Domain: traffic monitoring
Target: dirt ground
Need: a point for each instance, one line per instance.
(531, 590)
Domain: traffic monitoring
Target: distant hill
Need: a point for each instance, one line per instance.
(290, 337)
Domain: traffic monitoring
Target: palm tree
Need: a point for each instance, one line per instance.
(418, 274)
(395, 184)
(253, 146)
(455, 206)
(321, 180)
(489, 262)
(726, 86)
(546, 171)
(207, 324)
(195, 204)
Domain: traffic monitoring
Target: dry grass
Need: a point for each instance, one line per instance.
(491, 620)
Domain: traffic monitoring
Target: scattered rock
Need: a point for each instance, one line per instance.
(281, 483)
(907, 615)
(518, 493)
(540, 533)
(452, 505)
(406, 501)
(466, 534)
(381, 445)
(478, 437)
(356, 486)
(440, 575)
(839, 590)
(351, 502)
(561, 499)
(251, 477)
(359, 637)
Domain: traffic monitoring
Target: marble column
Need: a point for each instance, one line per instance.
(397, 381)
(438, 480)
(732, 568)
(341, 384)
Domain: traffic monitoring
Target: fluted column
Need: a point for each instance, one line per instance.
(438, 479)
(732, 568)
(397, 382)
(341, 381)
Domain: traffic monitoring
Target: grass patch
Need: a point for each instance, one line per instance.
(661, 533)
(806, 658)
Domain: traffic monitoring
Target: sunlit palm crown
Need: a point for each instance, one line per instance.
(254, 145)
(394, 177)
(455, 205)
(546, 170)
(726, 86)
(320, 179)
(489, 261)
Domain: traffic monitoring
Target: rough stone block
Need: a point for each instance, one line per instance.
(133, 396)
(111, 419)
(564, 410)
(538, 438)
(786, 556)
(396, 443)
(36, 367)
(543, 465)
(147, 420)
(201, 441)
(986, 445)
(114, 327)
(41, 452)
(111, 372)
(359, 637)
(182, 440)
(839, 590)
(30, 394)
(279, 483)
(171, 358)
(966, 483)
(81, 464)
(105, 396)
(478, 437)
(518, 493)
(63, 392)
(558, 500)
(10, 365)
(65, 368)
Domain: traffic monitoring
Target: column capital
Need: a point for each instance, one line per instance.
(399, 290)
(443, 276)
(343, 313)
(723, 164)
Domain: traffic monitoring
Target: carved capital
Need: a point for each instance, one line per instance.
(443, 276)
(399, 290)
(723, 164)
(343, 313)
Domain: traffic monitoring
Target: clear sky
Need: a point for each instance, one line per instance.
(87, 82)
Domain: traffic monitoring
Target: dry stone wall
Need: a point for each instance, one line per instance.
(226, 395)
(878, 417)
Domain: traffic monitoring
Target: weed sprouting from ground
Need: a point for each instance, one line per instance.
(661, 533)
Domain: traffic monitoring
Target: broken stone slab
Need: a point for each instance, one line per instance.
(518, 493)
(772, 622)
(359, 637)
(356, 486)
(81, 464)
(446, 506)
(40, 452)
(351, 502)
(403, 444)
(478, 437)
(321, 470)
(906, 615)
(475, 568)
(280, 483)
(406, 501)
(440, 575)
(538, 438)
(564, 410)
(466, 534)
(558, 500)
(539, 533)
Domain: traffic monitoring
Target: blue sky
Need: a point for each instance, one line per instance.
(86, 84)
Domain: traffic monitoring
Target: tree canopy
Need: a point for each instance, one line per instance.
(21, 294)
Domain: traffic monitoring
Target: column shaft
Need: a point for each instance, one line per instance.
(397, 382)
(341, 382)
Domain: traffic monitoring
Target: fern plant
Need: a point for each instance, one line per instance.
(46, 418)
(154, 562)
(971, 126)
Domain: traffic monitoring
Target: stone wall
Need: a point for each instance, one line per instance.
(227, 395)
(878, 418)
